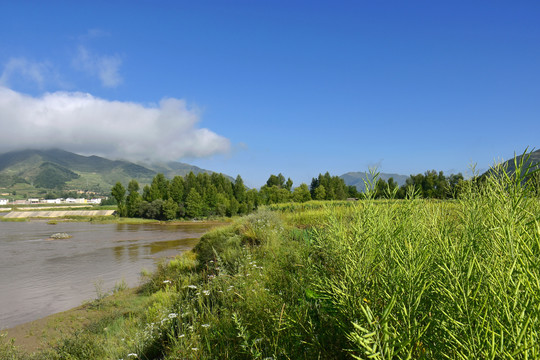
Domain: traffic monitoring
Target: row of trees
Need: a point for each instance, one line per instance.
(202, 195)
(192, 196)
(430, 185)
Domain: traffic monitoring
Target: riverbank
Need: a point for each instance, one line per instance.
(47, 332)
(57, 214)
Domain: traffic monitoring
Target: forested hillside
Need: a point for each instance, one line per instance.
(58, 170)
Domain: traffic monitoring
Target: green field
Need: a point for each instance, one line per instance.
(374, 279)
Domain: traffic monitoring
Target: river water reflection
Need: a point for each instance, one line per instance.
(39, 277)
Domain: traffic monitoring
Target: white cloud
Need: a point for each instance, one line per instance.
(35, 72)
(104, 66)
(85, 124)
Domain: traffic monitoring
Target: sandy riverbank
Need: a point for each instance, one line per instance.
(46, 332)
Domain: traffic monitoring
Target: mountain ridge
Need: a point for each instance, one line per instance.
(63, 170)
(356, 178)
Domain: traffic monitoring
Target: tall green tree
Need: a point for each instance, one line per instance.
(301, 193)
(170, 209)
(320, 193)
(274, 180)
(289, 184)
(239, 189)
(159, 189)
(134, 199)
(176, 189)
(119, 193)
(194, 204)
(146, 193)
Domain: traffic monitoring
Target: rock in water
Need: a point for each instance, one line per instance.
(60, 236)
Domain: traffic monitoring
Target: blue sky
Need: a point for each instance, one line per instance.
(261, 87)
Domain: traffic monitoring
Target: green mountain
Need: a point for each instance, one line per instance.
(357, 178)
(63, 170)
(534, 161)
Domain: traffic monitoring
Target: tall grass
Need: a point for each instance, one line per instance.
(390, 279)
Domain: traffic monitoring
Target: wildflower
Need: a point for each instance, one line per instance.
(167, 281)
(132, 355)
(206, 292)
(205, 325)
(192, 286)
(181, 336)
(194, 349)
(172, 315)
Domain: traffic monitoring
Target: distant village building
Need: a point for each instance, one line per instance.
(33, 201)
(4, 201)
(53, 201)
(76, 201)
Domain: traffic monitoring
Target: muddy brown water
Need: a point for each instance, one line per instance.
(40, 277)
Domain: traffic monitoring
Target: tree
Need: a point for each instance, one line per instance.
(194, 204)
(119, 193)
(274, 180)
(233, 207)
(176, 189)
(289, 184)
(320, 193)
(222, 204)
(239, 189)
(210, 200)
(146, 194)
(301, 193)
(134, 199)
(380, 188)
(159, 188)
(151, 210)
(170, 209)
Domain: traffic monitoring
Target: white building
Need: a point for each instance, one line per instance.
(4, 201)
(53, 201)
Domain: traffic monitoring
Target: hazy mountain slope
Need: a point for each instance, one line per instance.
(357, 178)
(59, 169)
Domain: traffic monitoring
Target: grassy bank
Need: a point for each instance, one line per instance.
(369, 279)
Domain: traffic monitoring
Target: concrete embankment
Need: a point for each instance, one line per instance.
(56, 214)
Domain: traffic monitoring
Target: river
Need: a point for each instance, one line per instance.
(40, 277)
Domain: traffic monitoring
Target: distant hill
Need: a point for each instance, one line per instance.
(59, 169)
(534, 161)
(357, 178)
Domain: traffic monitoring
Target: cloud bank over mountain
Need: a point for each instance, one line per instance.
(85, 124)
